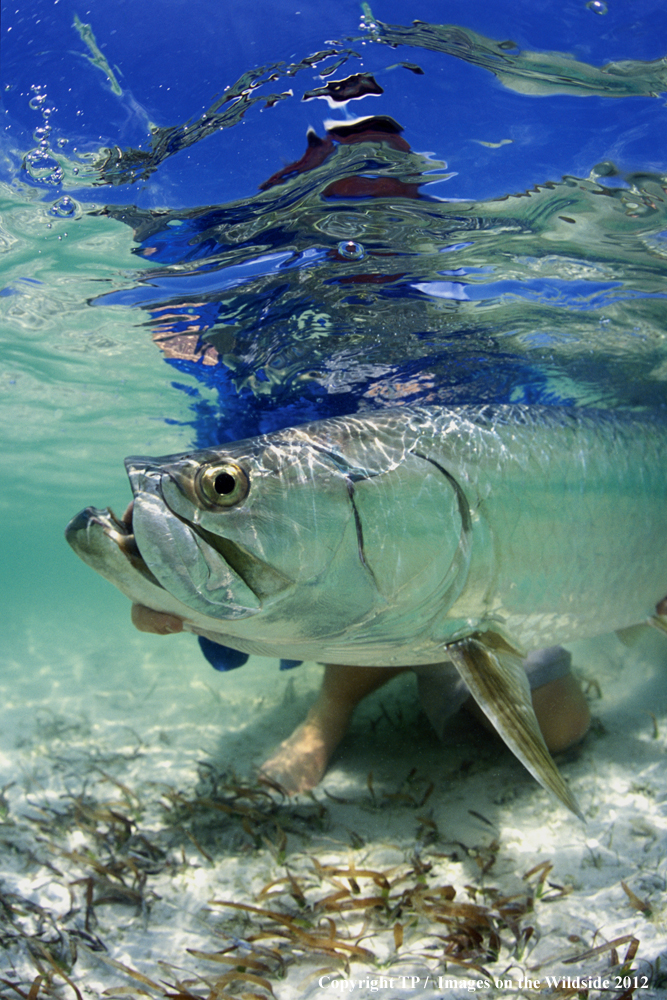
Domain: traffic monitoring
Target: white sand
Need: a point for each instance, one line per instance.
(128, 720)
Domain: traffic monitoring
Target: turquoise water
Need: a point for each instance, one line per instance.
(76, 386)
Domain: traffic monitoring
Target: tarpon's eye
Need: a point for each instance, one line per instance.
(223, 484)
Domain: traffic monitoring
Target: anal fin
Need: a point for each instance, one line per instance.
(497, 680)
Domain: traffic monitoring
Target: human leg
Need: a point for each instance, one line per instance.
(300, 761)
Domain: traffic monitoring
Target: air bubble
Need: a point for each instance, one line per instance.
(350, 250)
(42, 168)
(40, 164)
(64, 208)
(597, 6)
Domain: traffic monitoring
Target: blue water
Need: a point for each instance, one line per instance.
(181, 267)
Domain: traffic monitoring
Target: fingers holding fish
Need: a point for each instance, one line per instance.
(146, 620)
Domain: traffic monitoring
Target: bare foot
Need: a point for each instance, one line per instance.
(147, 620)
(300, 761)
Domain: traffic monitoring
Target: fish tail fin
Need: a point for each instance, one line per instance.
(497, 680)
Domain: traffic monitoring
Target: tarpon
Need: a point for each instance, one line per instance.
(406, 537)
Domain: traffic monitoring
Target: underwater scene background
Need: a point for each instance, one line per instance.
(223, 219)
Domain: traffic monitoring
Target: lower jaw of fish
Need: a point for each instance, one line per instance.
(118, 530)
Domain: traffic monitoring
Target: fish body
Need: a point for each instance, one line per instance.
(380, 539)
(406, 537)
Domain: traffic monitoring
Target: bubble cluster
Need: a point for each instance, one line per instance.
(39, 163)
(64, 208)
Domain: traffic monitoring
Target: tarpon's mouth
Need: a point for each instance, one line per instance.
(118, 530)
(121, 532)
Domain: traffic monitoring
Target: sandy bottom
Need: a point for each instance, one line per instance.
(130, 820)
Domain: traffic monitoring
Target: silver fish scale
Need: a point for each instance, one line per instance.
(573, 506)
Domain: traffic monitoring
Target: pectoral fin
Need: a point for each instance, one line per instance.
(497, 680)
